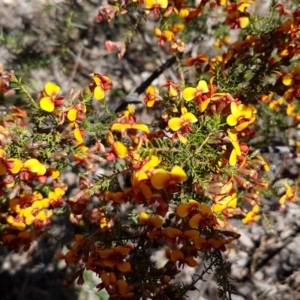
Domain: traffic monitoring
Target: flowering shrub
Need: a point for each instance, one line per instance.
(184, 178)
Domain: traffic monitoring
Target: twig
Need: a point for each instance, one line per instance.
(77, 60)
(24, 91)
(198, 277)
(132, 98)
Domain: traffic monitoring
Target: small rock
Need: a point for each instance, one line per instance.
(245, 239)
(259, 275)
(239, 273)
(286, 233)
(237, 297)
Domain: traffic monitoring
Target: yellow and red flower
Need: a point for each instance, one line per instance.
(289, 195)
(100, 83)
(226, 205)
(12, 165)
(17, 222)
(198, 93)
(125, 126)
(241, 116)
(156, 5)
(50, 99)
(173, 88)
(118, 149)
(237, 16)
(163, 36)
(56, 197)
(152, 96)
(32, 167)
(236, 151)
(76, 112)
(252, 216)
(183, 122)
(188, 13)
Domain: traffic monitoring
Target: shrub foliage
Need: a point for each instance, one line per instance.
(173, 185)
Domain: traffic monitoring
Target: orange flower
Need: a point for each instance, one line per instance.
(33, 169)
(292, 110)
(54, 173)
(127, 116)
(117, 289)
(115, 257)
(80, 153)
(15, 165)
(19, 240)
(179, 236)
(178, 256)
(162, 178)
(205, 245)
(141, 187)
(200, 59)
(74, 255)
(50, 99)
(140, 179)
(184, 209)
(154, 222)
(119, 197)
(120, 46)
(204, 218)
(175, 28)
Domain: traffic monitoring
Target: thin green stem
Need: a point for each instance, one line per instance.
(24, 91)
